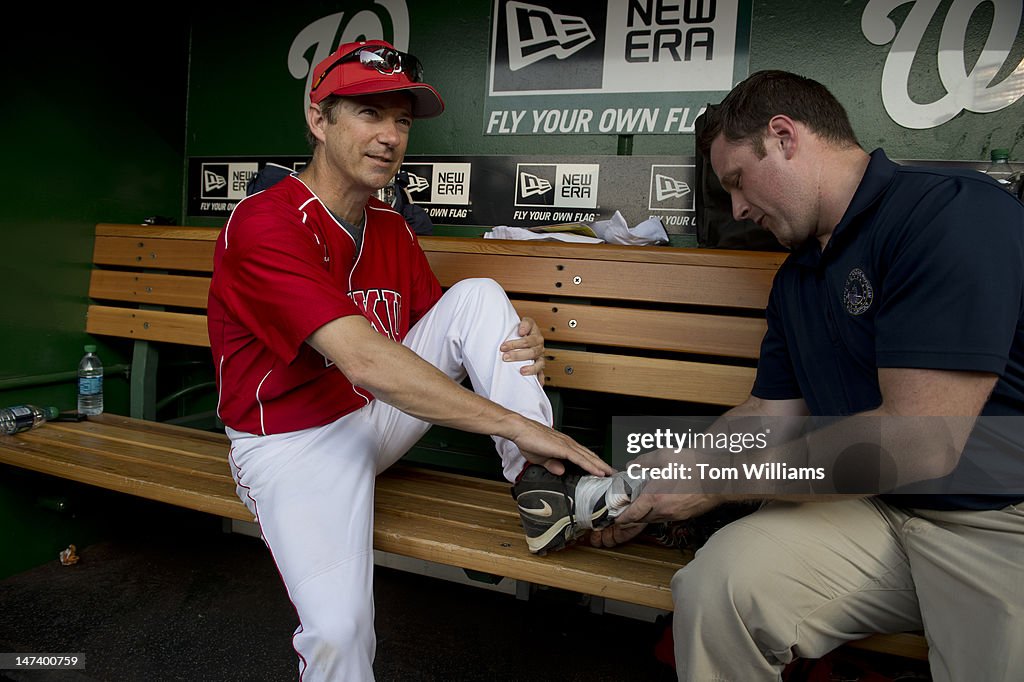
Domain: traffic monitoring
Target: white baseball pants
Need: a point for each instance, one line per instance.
(311, 491)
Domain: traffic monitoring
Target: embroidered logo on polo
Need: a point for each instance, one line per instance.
(857, 292)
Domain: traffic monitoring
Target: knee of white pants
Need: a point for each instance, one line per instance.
(483, 287)
(340, 647)
(341, 632)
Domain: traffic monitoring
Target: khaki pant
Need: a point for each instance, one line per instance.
(798, 580)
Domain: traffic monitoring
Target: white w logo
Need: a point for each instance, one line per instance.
(530, 185)
(668, 187)
(536, 32)
(973, 91)
(327, 33)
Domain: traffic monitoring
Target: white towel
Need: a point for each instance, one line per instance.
(616, 231)
(506, 232)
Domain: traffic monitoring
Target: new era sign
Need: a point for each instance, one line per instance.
(559, 185)
(538, 49)
(439, 183)
(611, 66)
(226, 180)
(552, 46)
(671, 189)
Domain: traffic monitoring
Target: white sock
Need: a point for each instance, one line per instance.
(618, 491)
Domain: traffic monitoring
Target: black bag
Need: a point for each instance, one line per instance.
(418, 219)
(716, 228)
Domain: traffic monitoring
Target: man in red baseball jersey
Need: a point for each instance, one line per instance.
(336, 350)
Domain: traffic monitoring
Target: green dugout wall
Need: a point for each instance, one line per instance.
(243, 98)
(92, 114)
(100, 113)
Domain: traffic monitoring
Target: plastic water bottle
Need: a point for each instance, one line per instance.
(24, 417)
(90, 383)
(1003, 172)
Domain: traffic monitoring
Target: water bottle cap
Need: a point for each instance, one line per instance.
(1000, 154)
(90, 348)
(51, 412)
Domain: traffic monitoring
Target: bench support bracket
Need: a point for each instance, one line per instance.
(143, 381)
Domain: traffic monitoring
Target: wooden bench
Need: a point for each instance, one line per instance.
(662, 323)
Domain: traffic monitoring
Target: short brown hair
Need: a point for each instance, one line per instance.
(746, 110)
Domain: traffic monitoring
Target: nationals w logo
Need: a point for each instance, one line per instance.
(325, 34)
(974, 91)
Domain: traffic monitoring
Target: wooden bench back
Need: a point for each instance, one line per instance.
(676, 324)
(140, 272)
(659, 322)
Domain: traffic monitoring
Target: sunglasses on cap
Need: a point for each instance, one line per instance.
(385, 60)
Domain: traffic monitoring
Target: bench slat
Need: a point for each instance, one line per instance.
(149, 288)
(580, 570)
(141, 431)
(183, 456)
(494, 498)
(732, 258)
(905, 644)
(737, 337)
(70, 460)
(498, 513)
(148, 325)
(157, 254)
(632, 281)
(640, 376)
(680, 331)
(719, 258)
(192, 234)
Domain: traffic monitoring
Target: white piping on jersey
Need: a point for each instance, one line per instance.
(364, 397)
(263, 428)
(313, 197)
(313, 230)
(220, 384)
(359, 254)
(227, 225)
(412, 235)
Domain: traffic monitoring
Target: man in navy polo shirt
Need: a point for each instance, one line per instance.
(903, 299)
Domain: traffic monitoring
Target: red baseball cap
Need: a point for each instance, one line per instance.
(372, 66)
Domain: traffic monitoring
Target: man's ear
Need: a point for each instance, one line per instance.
(316, 121)
(783, 131)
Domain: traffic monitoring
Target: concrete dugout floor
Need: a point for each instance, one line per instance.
(171, 597)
